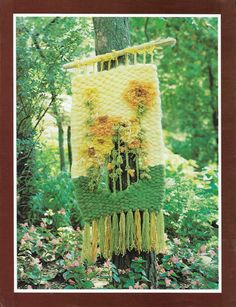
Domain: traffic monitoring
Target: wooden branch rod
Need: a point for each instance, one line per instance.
(146, 47)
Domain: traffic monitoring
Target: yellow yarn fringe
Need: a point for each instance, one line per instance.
(122, 245)
(115, 234)
(153, 231)
(138, 236)
(86, 248)
(107, 253)
(161, 246)
(94, 240)
(118, 235)
(101, 226)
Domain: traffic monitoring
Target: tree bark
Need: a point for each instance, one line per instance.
(61, 145)
(111, 33)
(69, 147)
(24, 175)
(213, 105)
(114, 34)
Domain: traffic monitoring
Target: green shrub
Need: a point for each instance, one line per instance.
(130, 278)
(53, 191)
(191, 202)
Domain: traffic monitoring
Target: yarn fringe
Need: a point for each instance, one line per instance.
(115, 235)
(118, 233)
(107, 243)
(122, 245)
(138, 236)
(153, 231)
(86, 248)
(101, 234)
(94, 240)
(146, 232)
(161, 246)
(130, 231)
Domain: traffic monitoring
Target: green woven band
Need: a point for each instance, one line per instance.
(146, 194)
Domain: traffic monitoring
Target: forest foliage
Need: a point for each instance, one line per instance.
(188, 74)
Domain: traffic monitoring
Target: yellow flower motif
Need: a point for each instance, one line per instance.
(109, 166)
(135, 144)
(88, 156)
(130, 130)
(140, 93)
(91, 152)
(90, 94)
(104, 126)
(122, 149)
(131, 172)
(103, 147)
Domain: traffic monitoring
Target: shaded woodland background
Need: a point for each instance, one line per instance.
(188, 76)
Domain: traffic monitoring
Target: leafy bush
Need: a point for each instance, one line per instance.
(130, 278)
(185, 268)
(191, 202)
(182, 267)
(52, 259)
(49, 258)
(53, 191)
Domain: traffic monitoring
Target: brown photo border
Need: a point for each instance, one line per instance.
(227, 9)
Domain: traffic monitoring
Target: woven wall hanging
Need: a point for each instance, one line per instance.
(118, 152)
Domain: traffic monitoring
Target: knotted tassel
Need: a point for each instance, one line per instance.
(115, 234)
(94, 240)
(122, 245)
(138, 236)
(107, 236)
(130, 230)
(101, 231)
(153, 231)
(160, 232)
(86, 248)
(145, 232)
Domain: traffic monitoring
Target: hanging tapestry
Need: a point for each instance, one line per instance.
(118, 159)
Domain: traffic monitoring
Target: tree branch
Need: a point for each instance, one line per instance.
(53, 98)
(145, 29)
(35, 36)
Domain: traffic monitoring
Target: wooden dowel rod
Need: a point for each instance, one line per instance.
(114, 54)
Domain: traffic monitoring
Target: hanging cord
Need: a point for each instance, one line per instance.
(144, 57)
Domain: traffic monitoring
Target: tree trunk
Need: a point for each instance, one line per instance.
(61, 144)
(69, 147)
(25, 155)
(113, 34)
(24, 175)
(213, 106)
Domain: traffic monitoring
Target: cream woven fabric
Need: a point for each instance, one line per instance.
(109, 87)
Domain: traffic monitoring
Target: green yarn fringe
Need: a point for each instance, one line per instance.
(130, 231)
(146, 232)
(122, 245)
(142, 231)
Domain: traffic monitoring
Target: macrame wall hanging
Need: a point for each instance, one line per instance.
(118, 152)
